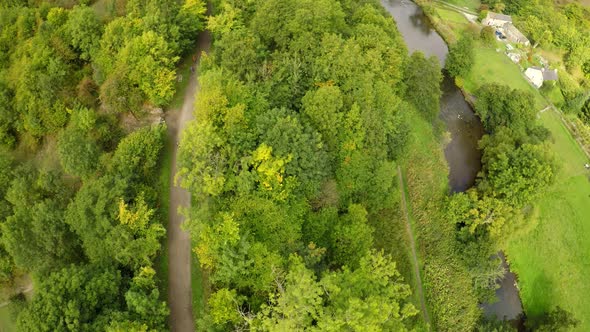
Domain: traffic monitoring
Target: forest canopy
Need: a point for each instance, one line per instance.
(80, 204)
(294, 152)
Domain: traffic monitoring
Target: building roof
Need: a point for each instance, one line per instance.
(509, 28)
(549, 75)
(501, 17)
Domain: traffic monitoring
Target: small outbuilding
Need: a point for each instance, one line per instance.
(538, 75)
(550, 75)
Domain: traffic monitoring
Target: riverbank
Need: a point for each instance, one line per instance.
(447, 283)
(491, 64)
(561, 215)
(561, 234)
(436, 165)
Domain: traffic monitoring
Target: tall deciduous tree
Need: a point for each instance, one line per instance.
(461, 57)
(77, 298)
(371, 297)
(422, 79)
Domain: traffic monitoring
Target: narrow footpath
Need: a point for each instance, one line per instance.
(419, 289)
(179, 243)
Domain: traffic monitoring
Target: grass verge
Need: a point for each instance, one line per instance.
(161, 262)
(392, 238)
(552, 261)
(198, 286)
(6, 322)
(447, 285)
(469, 4)
(183, 71)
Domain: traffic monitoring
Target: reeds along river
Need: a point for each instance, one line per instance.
(462, 154)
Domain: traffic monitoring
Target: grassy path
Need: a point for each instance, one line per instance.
(179, 243)
(404, 206)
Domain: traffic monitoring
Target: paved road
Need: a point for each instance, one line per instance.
(179, 244)
(419, 290)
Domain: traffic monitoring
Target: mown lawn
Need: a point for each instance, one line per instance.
(495, 67)
(552, 261)
(469, 4)
(450, 15)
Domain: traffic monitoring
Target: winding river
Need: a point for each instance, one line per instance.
(462, 154)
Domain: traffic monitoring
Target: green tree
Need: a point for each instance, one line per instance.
(150, 62)
(488, 36)
(77, 298)
(35, 234)
(351, 237)
(8, 118)
(461, 57)
(422, 79)
(514, 171)
(371, 297)
(84, 29)
(143, 301)
(78, 153)
(557, 319)
(323, 107)
(499, 106)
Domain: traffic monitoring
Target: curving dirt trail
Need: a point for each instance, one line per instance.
(179, 243)
(419, 290)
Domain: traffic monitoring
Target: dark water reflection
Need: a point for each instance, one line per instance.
(462, 154)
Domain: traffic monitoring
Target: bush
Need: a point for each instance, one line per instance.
(487, 36)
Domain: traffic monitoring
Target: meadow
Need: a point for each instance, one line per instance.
(495, 67)
(552, 260)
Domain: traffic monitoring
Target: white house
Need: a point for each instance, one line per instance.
(539, 75)
(535, 75)
(496, 20)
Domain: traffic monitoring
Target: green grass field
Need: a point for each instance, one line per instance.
(6, 323)
(450, 15)
(552, 261)
(495, 67)
(469, 4)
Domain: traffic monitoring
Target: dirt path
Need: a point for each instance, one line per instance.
(419, 289)
(179, 244)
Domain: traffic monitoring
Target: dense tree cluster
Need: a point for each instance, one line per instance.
(93, 249)
(516, 163)
(517, 167)
(549, 24)
(88, 231)
(53, 59)
(293, 153)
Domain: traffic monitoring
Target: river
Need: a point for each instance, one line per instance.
(462, 153)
